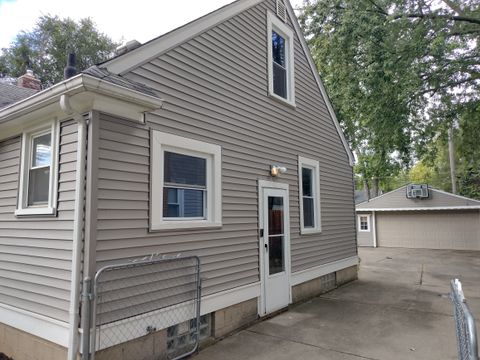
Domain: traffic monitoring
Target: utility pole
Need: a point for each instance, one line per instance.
(451, 154)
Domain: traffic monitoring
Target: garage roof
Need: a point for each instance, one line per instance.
(397, 200)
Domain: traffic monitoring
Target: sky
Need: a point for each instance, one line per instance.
(141, 20)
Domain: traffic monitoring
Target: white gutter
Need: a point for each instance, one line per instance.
(73, 334)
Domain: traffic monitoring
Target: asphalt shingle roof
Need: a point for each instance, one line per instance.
(10, 94)
(106, 75)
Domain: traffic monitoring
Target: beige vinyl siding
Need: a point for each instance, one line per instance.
(397, 199)
(35, 252)
(458, 230)
(215, 89)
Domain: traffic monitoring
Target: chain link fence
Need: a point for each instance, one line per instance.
(147, 309)
(464, 323)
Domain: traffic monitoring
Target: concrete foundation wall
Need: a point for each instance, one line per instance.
(315, 287)
(151, 346)
(346, 275)
(24, 346)
(229, 319)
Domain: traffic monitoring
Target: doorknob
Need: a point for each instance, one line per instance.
(266, 247)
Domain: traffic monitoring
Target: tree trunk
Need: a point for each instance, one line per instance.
(375, 187)
(451, 154)
(366, 187)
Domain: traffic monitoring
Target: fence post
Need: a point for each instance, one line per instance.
(86, 316)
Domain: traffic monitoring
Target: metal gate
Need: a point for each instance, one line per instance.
(146, 309)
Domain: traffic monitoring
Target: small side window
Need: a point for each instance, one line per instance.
(364, 223)
(309, 185)
(37, 190)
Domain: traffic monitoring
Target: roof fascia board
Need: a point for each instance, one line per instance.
(124, 63)
(73, 86)
(466, 207)
(314, 70)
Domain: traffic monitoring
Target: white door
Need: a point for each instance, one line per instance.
(275, 245)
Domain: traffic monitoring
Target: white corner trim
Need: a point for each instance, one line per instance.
(159, 45)
(315, 272)
(224, 299)
(42, 326)
(319, 82)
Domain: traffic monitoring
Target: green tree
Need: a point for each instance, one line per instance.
(398, 72)
(45, 49)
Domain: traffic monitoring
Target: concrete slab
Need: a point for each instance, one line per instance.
(398, 309)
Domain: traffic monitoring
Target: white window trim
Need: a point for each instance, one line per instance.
(360, 223)
(314, 165)
(22, 203)
(274, 23)
(163, 141)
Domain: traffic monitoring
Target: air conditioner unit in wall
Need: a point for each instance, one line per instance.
(417, 191)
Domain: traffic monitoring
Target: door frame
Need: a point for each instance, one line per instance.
(262, 184)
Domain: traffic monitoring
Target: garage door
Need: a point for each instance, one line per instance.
(458, 230)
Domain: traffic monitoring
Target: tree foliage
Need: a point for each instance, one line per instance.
(45, 49)
(399, 73)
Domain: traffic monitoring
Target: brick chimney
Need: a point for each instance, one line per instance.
(29, 81)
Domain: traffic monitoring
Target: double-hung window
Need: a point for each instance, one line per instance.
(185, 184)
(37, 190)
(309, 186)
(280, 60)
(364, 223)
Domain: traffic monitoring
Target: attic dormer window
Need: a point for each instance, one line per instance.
(280, 60)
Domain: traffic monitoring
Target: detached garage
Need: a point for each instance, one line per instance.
(416, 216)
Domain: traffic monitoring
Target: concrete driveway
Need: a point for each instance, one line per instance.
(398, 309)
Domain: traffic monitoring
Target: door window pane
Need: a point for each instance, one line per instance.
(184, 169)
(275, 254)
(38, 186)
(41, 155)
(275, 235)
(275, 215)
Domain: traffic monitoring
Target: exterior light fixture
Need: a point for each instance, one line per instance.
(276, 170)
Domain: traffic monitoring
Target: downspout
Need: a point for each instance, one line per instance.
(78, 226)
(374, 226)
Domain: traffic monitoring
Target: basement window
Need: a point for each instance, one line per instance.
(185, 183)
(280, 60)
(38, 171)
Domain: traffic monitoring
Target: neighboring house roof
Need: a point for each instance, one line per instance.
(397, 200)
(360, 196)
(10, 94)
(123, 63)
